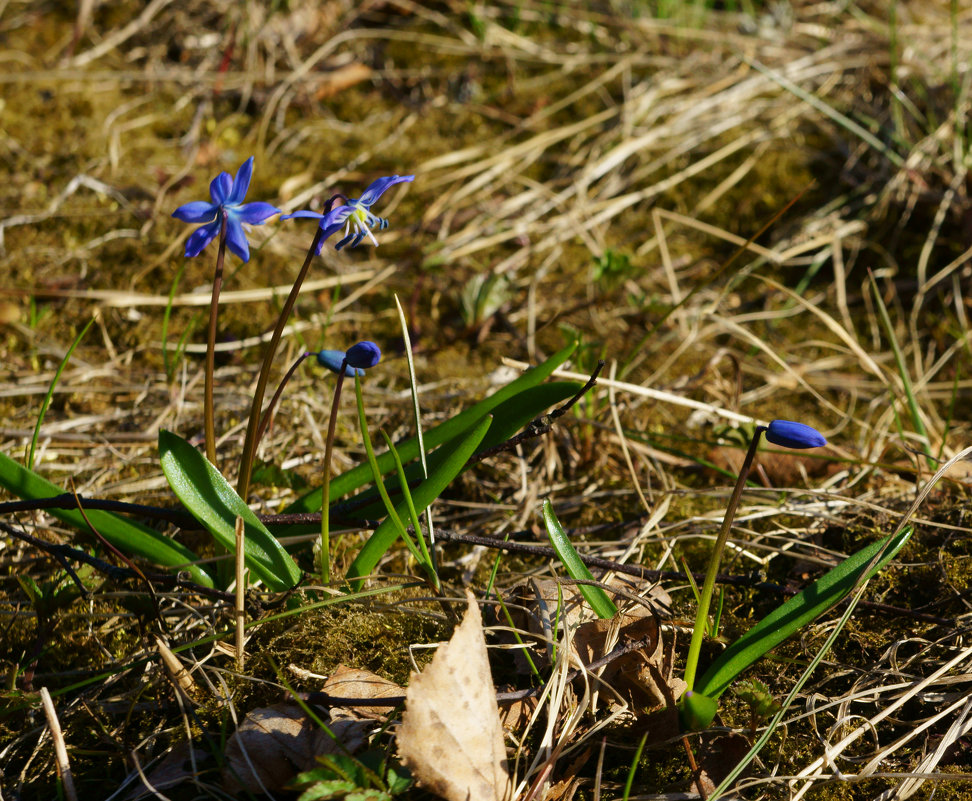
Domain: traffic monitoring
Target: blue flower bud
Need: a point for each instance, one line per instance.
(788, 434)
(333, 359)
(363, 355)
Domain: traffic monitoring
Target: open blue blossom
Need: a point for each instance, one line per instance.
(356, 213)
(355, 359)
(227, 194)
(788, 434)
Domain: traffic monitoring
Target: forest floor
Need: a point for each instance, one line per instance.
(753, 212)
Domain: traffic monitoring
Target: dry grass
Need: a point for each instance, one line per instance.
(602, 166)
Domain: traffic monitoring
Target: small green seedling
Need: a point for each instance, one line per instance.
(698, 706)
(368, 777)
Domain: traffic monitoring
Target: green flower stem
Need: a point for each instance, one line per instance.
(252, 428)
(326, 486)
(209, 414)
(705, 599)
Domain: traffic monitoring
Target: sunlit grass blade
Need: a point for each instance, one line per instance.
(914, 411)
(416, 411)
(425, 558)
(128, 536)
(452, 429)
(50, 394)
(393, 516)
(442, 471)
(825, 593)
(215, 504)
(602, 605)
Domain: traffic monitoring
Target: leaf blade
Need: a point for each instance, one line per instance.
(125, 535)
(213, 502)
(827, 591)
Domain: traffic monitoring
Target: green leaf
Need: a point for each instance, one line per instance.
(451, 429)
(215, 504)
(128, 536)
(444, 465)
(599, 600)
(825, 593)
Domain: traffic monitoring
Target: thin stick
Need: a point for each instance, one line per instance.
(240, 594)
(209, 413)
(60, 751)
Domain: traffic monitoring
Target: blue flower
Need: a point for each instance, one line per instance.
(355, 212)
(355, 360)
(227, 194)
(788, 434)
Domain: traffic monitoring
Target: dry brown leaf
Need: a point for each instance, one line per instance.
(717, 757)
(451, 737)
(275, 743)
(594, 638)
(180, 765)
(347, 682)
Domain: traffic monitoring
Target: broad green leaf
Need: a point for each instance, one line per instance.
(451, 429)
(215, 504)
(128, 536)
(599, 600)
(444, 465)
(825, 593)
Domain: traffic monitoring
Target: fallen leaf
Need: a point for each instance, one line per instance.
(347, 682)
(275, 743)
(544, 604)
(451, 737)
(717, 757)
(180, 765)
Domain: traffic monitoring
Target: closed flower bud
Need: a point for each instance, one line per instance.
(363, 355)
(788, 434)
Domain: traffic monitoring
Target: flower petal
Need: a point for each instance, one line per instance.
(377, 188)
(256, 213)
(328, 231)
(788, 434)
(314, 214)
(241, 183)
(220, 188)
(364, 355)
(236, 237)
(201, 237)
(199, 211)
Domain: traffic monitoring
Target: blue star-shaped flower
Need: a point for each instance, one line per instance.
(227, 194)
(356, 212)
